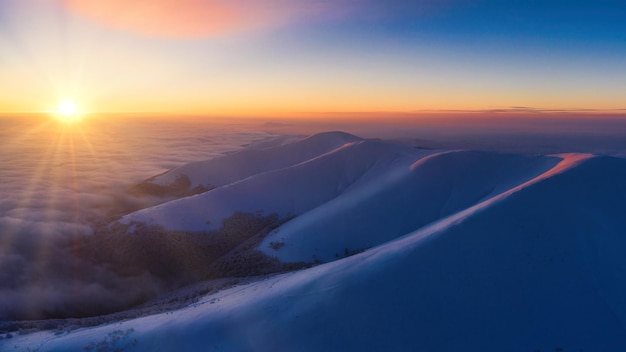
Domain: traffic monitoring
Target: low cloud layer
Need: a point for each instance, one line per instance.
(57, 184)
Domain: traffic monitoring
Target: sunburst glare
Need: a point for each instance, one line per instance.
(67, 111)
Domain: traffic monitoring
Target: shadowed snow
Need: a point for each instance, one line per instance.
(536, 267)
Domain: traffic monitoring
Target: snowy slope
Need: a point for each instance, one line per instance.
(288, 191)
(361, 194)
(259, 157)
(418, 194)
(539, 267)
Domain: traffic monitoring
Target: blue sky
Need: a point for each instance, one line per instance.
(286, 57)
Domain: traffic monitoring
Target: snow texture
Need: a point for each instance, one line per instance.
(470, 252)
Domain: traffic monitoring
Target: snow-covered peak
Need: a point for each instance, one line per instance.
(286, 191)
(255, 159)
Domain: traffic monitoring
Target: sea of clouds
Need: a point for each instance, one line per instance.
(58, 181)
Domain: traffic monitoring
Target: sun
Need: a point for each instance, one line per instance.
(67, 110)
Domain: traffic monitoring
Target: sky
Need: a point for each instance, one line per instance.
(292, 57)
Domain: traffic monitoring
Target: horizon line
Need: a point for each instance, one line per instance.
(502, 111)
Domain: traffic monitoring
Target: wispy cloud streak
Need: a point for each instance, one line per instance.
(196, 18)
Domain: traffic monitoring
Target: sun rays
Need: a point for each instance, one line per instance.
(50, 188)
(67, 111)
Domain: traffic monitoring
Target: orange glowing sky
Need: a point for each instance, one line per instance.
(279, 57)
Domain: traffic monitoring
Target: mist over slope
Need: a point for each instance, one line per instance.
(527, 258)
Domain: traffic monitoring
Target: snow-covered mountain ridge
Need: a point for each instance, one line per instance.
(347, 194)
(462, 251)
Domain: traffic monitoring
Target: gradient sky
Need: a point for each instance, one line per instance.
(281, 57)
